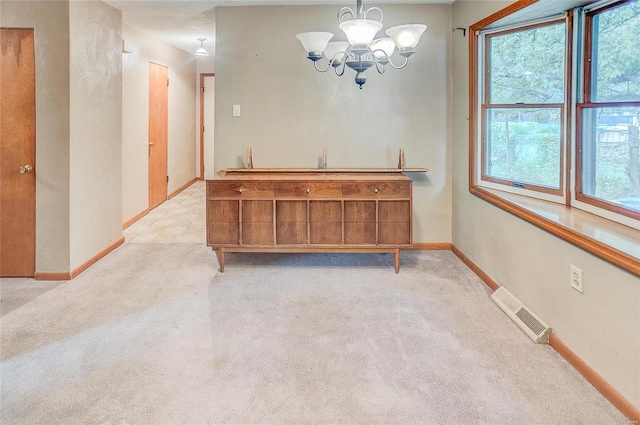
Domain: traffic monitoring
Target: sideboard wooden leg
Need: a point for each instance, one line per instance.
(220, 255)
(397, 260)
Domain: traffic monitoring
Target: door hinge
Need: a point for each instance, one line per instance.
(167, 178)
(167, 81)
(203, 128)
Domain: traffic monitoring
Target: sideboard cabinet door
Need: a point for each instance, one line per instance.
(257, 222)
(325, 222)
(291, 222)
(359, 222)
(394, 222)
(223, 222)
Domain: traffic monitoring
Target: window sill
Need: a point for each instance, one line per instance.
(606, 239)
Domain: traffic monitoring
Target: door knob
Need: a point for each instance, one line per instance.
(25, 169)
(151, 144)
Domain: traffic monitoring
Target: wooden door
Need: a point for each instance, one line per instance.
(207, 97)
(158, 121)
(17, 153)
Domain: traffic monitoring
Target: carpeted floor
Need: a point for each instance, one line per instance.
(153, 335)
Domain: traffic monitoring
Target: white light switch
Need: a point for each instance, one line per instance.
(127, 46)
(236, 110)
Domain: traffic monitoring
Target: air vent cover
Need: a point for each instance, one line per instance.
(525, 318)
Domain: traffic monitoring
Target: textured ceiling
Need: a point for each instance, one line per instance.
(181, 22)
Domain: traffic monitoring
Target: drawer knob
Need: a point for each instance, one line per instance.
(376, 190)
(308, 190)
(241, 189)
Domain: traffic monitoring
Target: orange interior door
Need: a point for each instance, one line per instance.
(158, 121)
(17, 153)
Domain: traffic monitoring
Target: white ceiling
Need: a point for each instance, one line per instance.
(181, 22)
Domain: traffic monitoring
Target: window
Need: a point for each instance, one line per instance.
(554, 117)
(559, 126)
(523, 107)
(608, 171)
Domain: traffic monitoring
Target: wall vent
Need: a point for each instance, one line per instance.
(525, 318)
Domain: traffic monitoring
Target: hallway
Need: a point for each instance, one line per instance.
(179, 220)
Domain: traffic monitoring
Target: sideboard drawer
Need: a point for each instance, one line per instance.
(245, 189)
(376, 189)
(308, 189)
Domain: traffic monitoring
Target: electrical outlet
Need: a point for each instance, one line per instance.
(576, 279)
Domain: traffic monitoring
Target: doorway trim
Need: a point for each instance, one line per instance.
(203, 75)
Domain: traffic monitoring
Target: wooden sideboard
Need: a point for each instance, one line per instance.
(309, 212)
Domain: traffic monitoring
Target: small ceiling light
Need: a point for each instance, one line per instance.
(201, 50)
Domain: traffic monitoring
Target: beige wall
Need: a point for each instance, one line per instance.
(95, 131)
(135, 117)
(602, 326)
(290, 111)
(78, 139)
(51, 22)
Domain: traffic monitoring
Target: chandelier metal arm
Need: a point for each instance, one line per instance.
(388, 60)
(364, 15)
(361, 12)
(342, 68)
(315, 65)
(334, 63)
(379, 67)
(343, 12)
(406, 61)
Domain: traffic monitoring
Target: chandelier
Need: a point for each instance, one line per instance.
(362, 51)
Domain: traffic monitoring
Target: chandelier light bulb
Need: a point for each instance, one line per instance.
(385, 44)
(406, 36)
(336, 51)
(314, 41)
(360, 32)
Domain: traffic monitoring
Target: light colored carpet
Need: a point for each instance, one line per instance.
(152, 335)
